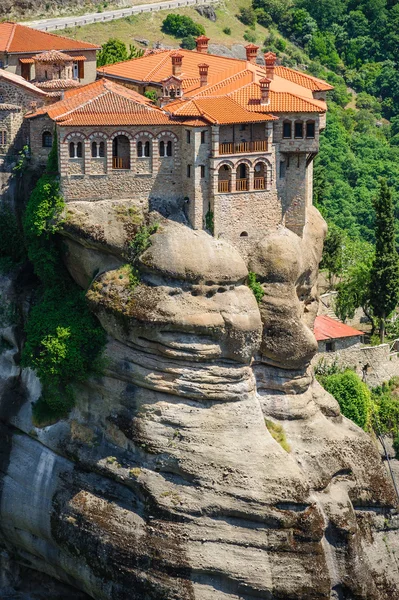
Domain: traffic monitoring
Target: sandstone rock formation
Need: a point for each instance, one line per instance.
(165, 481)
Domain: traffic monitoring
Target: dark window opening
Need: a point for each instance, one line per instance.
(47, 139)
(188, 170)
(101, 151)
(202, 171)
(203, 137)
(162, 148)
(140, 149)
(310, 129)
(287, 129)
(79, 149)
(282, 169)
(329, 346)
(244, 234)
(299, 129)
(188, 136)
(94, 149)
(169, 149)
(147, 149)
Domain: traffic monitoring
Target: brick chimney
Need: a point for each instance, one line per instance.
(264, 91)
(202, 44)
(203, 73)
(177, 60)
(270, 61)
(252, 51)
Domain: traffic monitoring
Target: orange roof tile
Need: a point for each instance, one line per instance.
(52, 56)
(18, 80)
(221, 109)
(303, 79)
(19, 38)
(249, 96)
(103, 103)
(326, 328)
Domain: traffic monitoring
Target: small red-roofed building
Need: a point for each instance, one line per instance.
(332, 335)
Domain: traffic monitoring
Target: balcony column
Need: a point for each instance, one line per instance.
(233, 180)
(109, 144)
(251, 178)
(87, 156)
(215, 140)
(132, 153)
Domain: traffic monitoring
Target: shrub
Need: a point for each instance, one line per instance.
(255, 286)
(227, 30)
(151, 95)
(12, 246)
(250, 37)
(141, 241)
(277, 432)
(112, 52)
(352, 395)
(188, 42)
(181, 26)
(247, 16)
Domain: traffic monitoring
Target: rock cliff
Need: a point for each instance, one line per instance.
(166, 482)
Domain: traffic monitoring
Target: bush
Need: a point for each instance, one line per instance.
(247, 16)
(188, 43)
(12, 246)
(151, 95)
(255, 286)
(227, 30)
(250, 37)
(112, 52)
(352, 395)
(181, 26)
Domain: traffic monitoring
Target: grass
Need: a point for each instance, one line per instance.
(277, 432)
(148, 25)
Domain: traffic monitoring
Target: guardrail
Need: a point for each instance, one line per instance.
(63, 22)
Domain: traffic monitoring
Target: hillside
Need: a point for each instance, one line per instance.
(29, 9)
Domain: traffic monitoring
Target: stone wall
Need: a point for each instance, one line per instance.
(340, 343)
(375, 364)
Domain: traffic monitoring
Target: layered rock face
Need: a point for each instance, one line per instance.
(165, 481)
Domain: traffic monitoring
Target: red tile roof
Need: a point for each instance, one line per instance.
(103, 103)
(21, 39)
(52, 56)
(326, 328)
(220, 110)
(303, 79)
(249, 96)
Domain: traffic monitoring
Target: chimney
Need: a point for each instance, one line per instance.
(270, 61)
(264, 91)
(177, 60)
(252, 52)
(202, 44)
(203, 73)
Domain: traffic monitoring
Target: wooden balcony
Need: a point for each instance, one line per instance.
(224, 186)
(243, 147)
(242, 185)
(259, 183)
(120, 163)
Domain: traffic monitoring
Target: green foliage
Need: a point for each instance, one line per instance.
(250, 36)
(141, 241)
(12, 246)
(247, 16)
(63, 339)
(181, 26)
(352, 395)
(188, 42)
(385, 270)
(227, 30)
(23, 156)
(112, 52)
(385, 417)
(277, 432)
(332, 252)
(396, 445)
(255, 286)
(135, 52)
(151, 95)
(209, 222)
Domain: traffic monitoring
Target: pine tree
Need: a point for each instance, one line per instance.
(385, 270)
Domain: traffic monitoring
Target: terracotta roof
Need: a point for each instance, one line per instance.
(221, 109)
(18, 80)
(52, 56)
(103, 103)
(57, 84)
(249, 96)
(19, 38)
(326, 328)
(303, 79)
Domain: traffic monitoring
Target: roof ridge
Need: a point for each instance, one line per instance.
(74, 109)
(14, 26)
(229, 79)
(159, 65)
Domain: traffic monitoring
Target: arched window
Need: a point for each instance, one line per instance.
(147, 149)
(165, 148)
(244, 234)
(94, 150)
(298, 130)
(287, 129)
(169, 148)
(47, 139)
(121, 152)
(101, 150)
(310, 129)
(162, 148)
(71, 150)
(224, 179)
(242, 178)
(140, 149)
(79, 149)
(97, 149)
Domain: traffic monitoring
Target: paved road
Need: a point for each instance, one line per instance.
(110, 15)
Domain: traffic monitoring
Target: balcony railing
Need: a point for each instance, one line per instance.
(259, 183)
(224, 186)
(242, 185)
(243, 147)
(120, 163)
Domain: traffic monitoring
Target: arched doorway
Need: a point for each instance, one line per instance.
(224, 179)
(242, 178)
(121, 152)
(260, 176)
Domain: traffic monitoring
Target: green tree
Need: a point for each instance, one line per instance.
(352, 395)
(112, 52)
(385, 270)
(332, 253)
(181, 26)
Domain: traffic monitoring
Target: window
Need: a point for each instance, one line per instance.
(147, 149)
(329, 346)
(188, 170)
(75, 150)
(203, 137)
(169, 148)
(97, 150)
(287, 129)
(94, 150)
(71, 150)
(79, 149)
(243, 127)
(298, 129)
(188, 136)
(282, 169)
(162, 148)
(47, 139)
(139, 149)
(81, 69)
(310, 129)
(202, 167)
(3, 137)
(101, 150)
(244, 234)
